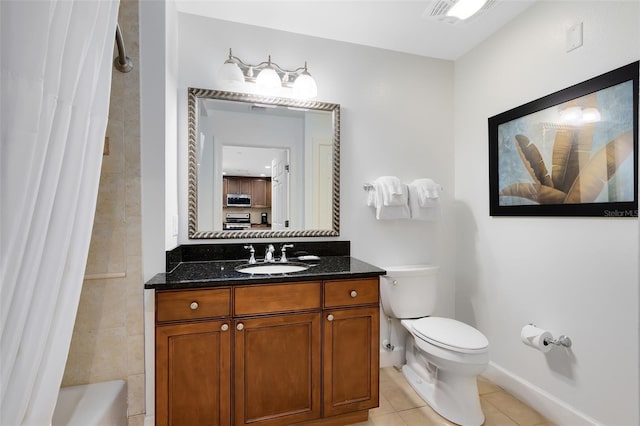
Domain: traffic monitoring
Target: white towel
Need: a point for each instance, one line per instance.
(393, 191)
(384, 212)
(427, 190)
(424, 199)
(371, 196)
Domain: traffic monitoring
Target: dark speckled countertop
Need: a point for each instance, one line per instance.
(222, 273)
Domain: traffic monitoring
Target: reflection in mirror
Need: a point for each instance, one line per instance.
(262, 167)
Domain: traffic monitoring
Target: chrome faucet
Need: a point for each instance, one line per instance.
(268, 256)
(283, 249)
(252, 251)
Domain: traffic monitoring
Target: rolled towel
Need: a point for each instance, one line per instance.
(393, 191)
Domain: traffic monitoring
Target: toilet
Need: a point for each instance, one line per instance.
(443, 356)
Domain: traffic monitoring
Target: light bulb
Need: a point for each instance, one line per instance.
(268, 79)
(591, 115)
(230, 73)
(305, 86)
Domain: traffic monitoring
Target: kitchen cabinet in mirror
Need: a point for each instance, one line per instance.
(273, 162)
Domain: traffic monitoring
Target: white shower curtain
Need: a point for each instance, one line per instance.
(56, 78)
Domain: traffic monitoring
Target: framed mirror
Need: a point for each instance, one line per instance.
(262, 167)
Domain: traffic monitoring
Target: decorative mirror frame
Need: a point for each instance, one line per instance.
(192, 95)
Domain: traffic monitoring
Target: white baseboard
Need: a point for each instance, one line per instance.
(391, 359)
(549, 406)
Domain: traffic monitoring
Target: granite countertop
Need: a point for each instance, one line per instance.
(222, 273)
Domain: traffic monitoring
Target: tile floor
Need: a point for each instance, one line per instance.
(401, 406)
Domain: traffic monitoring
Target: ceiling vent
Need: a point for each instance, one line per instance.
(437, 11)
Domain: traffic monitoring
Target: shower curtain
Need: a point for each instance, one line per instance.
(56, 79)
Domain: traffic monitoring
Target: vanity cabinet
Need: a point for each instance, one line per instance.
(272, 354)
(350, 344)
(193, 359)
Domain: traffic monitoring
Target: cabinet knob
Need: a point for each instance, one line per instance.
(224, 327)
(240, 326)
(330, 317)
(194, 306)
(354, 293)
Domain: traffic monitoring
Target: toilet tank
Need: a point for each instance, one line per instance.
(409, 291)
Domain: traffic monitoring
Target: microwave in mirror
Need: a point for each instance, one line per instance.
(238, 200)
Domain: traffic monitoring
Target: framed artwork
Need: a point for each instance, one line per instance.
(571, 153)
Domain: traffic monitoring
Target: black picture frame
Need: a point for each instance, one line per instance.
(571, 153)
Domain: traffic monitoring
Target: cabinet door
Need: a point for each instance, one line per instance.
(193, 374)
(238, 185)
(277, 369)
(351, 360)
(259, 193)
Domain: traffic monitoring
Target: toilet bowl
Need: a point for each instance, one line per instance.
(443, 356)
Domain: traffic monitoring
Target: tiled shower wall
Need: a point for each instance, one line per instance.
(108, 340)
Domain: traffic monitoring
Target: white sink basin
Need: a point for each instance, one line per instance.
(272, 268)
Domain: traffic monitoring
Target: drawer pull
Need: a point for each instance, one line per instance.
(224, 327)
(194, 306)
(330, 317)
(240, 326)
(354, 293)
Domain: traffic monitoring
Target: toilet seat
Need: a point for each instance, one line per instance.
(450, 334)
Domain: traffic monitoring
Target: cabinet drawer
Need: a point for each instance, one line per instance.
(350, 292)
(266, 299)
(193, 304)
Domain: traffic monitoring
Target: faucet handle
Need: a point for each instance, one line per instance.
(283, 249)
(252, 251)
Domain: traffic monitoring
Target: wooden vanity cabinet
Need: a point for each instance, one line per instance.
(193, 359)
(351, 338)
(302, 353)
(277, 353)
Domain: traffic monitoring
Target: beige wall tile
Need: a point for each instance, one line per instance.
(100, 306)
(135, 388)
(135, 354)
(137, 420)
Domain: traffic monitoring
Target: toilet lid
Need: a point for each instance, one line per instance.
(450, 334)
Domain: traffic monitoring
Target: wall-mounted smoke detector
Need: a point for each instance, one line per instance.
(455, 11)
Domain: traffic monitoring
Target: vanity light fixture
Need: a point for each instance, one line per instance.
(268, 76)
(578, 116)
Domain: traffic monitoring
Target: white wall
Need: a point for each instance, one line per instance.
(573, 276)
(396, 119)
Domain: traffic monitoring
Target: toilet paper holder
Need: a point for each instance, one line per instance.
(560, 341)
